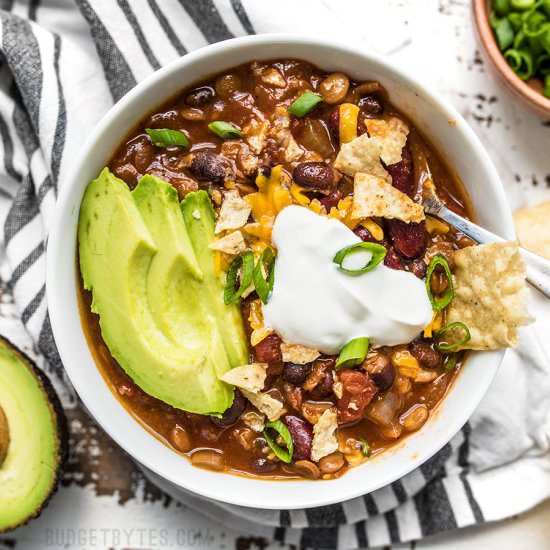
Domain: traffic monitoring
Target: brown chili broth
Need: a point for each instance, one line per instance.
(160, 418)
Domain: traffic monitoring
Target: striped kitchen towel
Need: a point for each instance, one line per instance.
(63, 64)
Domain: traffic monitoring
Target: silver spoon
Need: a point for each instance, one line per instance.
(538, 268)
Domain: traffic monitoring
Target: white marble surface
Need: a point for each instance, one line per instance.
(433, 38)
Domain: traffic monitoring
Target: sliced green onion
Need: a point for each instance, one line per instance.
(246, 261)
(545, 7)
(167, 138)
(450, 364)
(439, 304)
(367, 451)
(521, 5)
(516, 20)
(304, 104)
(225, 130)
(546, 90)
(264, 286)
(377, 251)
(504, 33)
(521, 62)
(282, 454)
(353, 353)
(519, 40)
(501, 7)
(453, 326)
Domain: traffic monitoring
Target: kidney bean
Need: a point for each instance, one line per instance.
(210, 166)
(402, 173)
(333, 124)
(331, 463)
(306, 468)
(371, 105)
(302, 436)
(332, 199)
(231, 415)
(409, 239)
(334, 88)
(262, 465)
(314, 175)
(293, 395)
(380, 369)
(358, 390)
(269, 350)
(200, 96)
(392, 259)
(426, 355)
(140, 152)
(296, 374)
(364, 234)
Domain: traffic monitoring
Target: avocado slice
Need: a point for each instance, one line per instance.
(150, 293)
(33, 438)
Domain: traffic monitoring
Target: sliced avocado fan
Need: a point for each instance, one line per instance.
(33, 438)
(146, 260)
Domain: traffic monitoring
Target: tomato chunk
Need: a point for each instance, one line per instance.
(358, 390)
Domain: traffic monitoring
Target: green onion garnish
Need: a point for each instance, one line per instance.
(521, 5)
(521, 62)
(282, 454)
(377, 251)
(304, 104)
(264, 286)
(167, 138)
(246, 261)
(442, 302)
(353, 353)
(367, 451)
(546, 90)
(504, 33)
(450, 364)
(453, 326)
(225, 130)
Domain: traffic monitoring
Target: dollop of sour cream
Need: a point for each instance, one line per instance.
(315, 304)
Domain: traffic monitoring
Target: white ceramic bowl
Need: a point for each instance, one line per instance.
(434, 116)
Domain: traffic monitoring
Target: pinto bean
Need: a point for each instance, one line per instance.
(312, 410)
(296, 374)
(380, 369)
(358, 390)
(320, 367)
(314, 176)
(179, 437)
(424, 352)
(200, 96)
(306, 468)
(227, 84)
(302, 436)
(262, 465)
(324, 387)
(334, 88)
(332, 463)
(293, 395)
(209, 459)
(409, 239)
(269, 350)
(211, 167)
(415, 418)
(231, 415)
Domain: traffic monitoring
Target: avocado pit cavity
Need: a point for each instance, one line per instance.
(4, 436)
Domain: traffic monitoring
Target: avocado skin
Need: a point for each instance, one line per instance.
(61, 430)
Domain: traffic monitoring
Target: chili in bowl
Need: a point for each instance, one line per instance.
(258, 283)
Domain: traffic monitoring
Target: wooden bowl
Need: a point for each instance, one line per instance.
(530, 92)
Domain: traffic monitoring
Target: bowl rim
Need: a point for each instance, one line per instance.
(56, 295)
(487, 38)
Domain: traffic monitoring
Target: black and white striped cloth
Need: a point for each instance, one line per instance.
(63, 64)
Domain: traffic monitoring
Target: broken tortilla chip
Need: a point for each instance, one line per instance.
(234, 212)
(324, 438)
(490, 295)
(248, 377)
(533, 228)
(392, 134)
(361, 154)
(233, 244)
(374, 197)
(294, 353)
(266, 404)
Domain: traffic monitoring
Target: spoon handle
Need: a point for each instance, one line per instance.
(538, 268)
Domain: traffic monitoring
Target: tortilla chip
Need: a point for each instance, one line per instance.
(255, 421)
(362, 154)
(490, 295)
(294, 353)
(234, 212)
(533, 228)
(248, 377)
(372, 196)
(266, 404)
(392, 134)
(324, 439)
(233, 244)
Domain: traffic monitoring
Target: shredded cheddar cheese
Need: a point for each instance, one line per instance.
(348, 122)
(256, 319)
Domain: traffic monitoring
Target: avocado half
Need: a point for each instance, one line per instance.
(33, 438)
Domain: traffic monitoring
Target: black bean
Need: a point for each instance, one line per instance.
(371, 105)
(231, 415)
(381, 370)
(200, 96)
(426, 355)
(314, 175)
(263, 465)
(296, 374)
(323, 388)
(210, 166)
